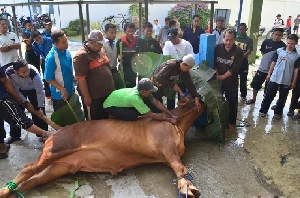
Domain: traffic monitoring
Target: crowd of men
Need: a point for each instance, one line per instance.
(47, 72)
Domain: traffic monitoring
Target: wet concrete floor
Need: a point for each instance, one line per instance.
(262, 159)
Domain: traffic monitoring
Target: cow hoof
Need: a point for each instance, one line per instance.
(192, 191)
(4, 192)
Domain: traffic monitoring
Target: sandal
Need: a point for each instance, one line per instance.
(251, 101)
(262, 115)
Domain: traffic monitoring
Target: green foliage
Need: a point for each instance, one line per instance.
(66, 115)
(145, 63)
(217, 107)
(71, 33)
(133, 10)
(76, 26)
(95, 25)
(184, 14)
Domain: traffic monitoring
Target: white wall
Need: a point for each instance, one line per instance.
(97, 12)
(269, 11)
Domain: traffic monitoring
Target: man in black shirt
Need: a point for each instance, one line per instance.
(147, 43)
(228, 60)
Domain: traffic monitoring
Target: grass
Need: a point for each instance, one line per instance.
(78, 37)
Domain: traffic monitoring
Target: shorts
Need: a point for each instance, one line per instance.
(258, 80)
(13, 114)
(296, 27)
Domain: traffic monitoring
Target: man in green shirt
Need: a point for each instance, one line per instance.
(128, 103)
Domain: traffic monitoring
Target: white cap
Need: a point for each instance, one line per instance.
(189, 60)
(96, 35)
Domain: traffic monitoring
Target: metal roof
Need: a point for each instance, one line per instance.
(104, 2)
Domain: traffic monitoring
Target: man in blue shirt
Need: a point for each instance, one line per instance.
(282, 75)
(41, 47)
(192, 34)
(48, 26)
(59, 70)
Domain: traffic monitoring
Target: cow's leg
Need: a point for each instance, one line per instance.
(51, 173)
(180, 170)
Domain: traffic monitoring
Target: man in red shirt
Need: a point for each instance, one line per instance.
(289, 23)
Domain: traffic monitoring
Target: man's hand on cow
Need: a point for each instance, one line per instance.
(173, 120)
(64, 94)
(87, 101)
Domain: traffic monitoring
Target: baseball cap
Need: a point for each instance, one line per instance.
(278, 15)
(220, 18)
(189, 60)
(96, 35)
(48, 22)
(172, 33)
(278, 29)
(146, 85)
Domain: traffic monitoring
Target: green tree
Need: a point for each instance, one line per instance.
(184, 14)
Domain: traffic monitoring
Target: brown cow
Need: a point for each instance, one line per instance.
(112, 146)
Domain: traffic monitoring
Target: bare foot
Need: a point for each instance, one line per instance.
(231, 127)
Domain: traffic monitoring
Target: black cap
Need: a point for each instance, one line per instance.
(172, 33)
(220, 18)
(278, 29)
(146, 85)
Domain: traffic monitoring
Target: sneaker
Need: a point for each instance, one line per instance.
(290, 113)
(244, 98)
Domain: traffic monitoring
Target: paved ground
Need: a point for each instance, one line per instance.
(262, 159)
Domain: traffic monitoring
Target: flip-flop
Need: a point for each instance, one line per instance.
(251, 101)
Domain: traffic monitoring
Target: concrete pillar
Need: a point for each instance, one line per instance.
(81, 21)
(87, 10)
(253, 24)
(207, 49)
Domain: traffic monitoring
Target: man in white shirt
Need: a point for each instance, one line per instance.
(156, 28)
(9, 45)
(219, 30)
(176, 47)
(279, 23)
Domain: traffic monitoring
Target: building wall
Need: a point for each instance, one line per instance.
(269, 11)
(159, 11)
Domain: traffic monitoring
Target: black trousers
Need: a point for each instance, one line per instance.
(123, 113)
(13, 114)
(97, 110)
(243, 77)
(33, 59)
(46, 84)
(231, 94)
(271, 93)
(31, 95)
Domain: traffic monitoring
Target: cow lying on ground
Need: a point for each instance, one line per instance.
(111, 146)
